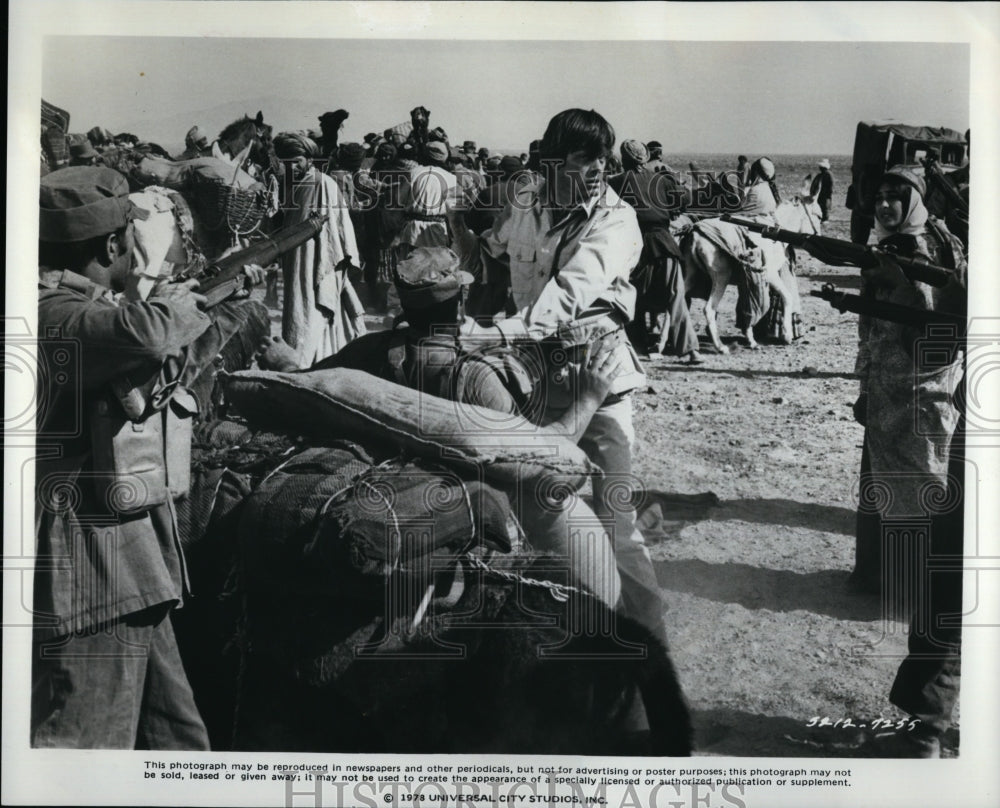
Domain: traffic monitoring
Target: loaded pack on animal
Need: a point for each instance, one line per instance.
(718, 253)
(361, 563)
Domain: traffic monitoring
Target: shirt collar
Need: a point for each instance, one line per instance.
(584, 209)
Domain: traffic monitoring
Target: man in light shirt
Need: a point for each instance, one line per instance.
(569, 245)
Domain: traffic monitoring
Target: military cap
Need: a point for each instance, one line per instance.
(83, 202)
(429, 275)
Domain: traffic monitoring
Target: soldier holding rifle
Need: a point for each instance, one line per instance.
(908, 406)
(912, 462)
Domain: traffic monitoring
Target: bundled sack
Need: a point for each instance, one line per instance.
(327, 518)
(218, 192)
(228, 460)
(346, 403)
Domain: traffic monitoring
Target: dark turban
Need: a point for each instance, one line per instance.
(288, 145)
(352, 155)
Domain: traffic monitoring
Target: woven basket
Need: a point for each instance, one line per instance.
(221, 204)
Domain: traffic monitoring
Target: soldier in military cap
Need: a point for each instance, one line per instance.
(106, 669)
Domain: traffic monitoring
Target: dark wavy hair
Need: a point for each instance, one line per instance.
(575, 130)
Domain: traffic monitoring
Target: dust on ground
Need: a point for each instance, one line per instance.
(750, 464)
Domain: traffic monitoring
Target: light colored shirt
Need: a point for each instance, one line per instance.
(595, 247)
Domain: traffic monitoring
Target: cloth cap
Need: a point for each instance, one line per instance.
(437, 151)
(82, 150)
(901, 174)
(429, 275)
(469, 146)
(195, 137)
(633, 150)
(83, 202)
(824, 163)
(654, 144)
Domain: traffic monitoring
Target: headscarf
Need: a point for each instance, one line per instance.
(288, 145)
(763, 169)
(914, 212)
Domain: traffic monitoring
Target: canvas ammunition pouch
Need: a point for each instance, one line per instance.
(565, 352)
(139, 464)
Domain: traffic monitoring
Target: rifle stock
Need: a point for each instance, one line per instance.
(222, 278)
(839, 253)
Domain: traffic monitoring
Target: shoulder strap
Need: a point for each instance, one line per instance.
(74, 282)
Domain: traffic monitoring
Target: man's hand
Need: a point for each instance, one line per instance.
(256, 274)
(597, 373)
(273, 353)
(178, 293)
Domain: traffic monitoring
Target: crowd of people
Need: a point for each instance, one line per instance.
(466, 252)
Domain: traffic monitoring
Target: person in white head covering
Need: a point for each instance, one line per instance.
(911, 469)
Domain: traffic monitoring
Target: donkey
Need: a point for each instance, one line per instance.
(706, 259)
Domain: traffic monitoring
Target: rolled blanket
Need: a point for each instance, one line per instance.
(351, 404)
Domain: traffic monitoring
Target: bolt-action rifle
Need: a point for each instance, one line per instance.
(893, 312)
(840, 253)
(223, 277)
(933, 172)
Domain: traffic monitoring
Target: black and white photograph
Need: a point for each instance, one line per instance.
(497, 403)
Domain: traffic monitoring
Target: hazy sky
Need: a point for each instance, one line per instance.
(757, 97)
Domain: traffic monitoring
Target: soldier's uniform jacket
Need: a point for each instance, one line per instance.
(94, 564)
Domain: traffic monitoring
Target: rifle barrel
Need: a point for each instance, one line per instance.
(883, 310)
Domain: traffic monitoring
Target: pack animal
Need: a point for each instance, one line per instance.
(247, 143)
(709, 267)
(288, 648)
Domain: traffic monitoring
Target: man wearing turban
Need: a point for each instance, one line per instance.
(315, 321)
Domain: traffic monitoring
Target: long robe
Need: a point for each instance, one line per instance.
(314, 320)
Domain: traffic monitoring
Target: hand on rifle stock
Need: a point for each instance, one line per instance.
(178, 293)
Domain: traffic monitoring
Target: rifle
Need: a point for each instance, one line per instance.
(893, 312)
(933, 172)
(839, 253)
(222, 278)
